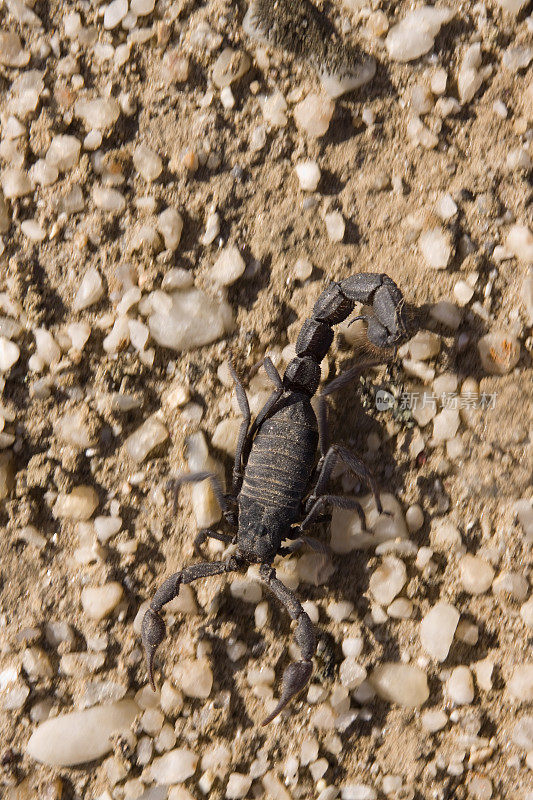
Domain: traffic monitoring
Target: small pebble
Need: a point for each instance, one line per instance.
(476, 574)
(308, 174)
(436, 248)
(194, 677)
(100, 601)
(437, 630)
(313, 115)
(415, 34)
(78, 505)
(335, 226)
(80, 736)
(228, 267)
(460, 686)
(174, 767)
(147, 163)
(403, 684)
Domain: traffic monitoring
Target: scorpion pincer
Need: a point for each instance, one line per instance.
(278, 492)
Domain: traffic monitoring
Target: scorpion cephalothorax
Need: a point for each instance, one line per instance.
(277, 491)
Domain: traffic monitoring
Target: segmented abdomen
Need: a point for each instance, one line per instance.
(282, 457)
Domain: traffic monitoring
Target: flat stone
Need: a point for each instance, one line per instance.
(81, 736)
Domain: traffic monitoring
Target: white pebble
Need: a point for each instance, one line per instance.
(9, 354)
(388, 580)
(302, 269)
(64, 152)
(358, 791)
(260, 676)
(308, 174)
(424, 345)
(335, 226)
(170, 225)
(174, 767)
(147, 163)
(470, 78)
(98, 113)
(403, 684)
(313, 115)
(435, 246)
(248, 591)
(81, 736)
(194, 677)
(77, 505)
(142, 441)
(415, 34)
(115, 13)
(107, 199)
(191, 319)
(445, 424)
(238, 786)
(518, 57)
(100, 601)
(351, 673)
(460, 686)
(520, 243)
(433, 720)
(510, 583)
(522, 734)
(414, 517)
(228, 267)
(274, 109)
(15, 183)
(141, 8)
(520, 685)
(90, 290)
(476, 574)
(446, 208)
(339, 611)
(463, 293)
(437, 630)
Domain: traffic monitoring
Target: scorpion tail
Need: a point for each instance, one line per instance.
(295, 678)
(152, 634)
(390, 322)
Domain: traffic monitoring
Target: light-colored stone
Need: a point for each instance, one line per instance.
(80, 736)
(403, 684)
(437, 630)
(100, 601)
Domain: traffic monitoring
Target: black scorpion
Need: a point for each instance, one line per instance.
(275, 469)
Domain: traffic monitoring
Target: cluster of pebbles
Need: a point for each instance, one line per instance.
(173, 176)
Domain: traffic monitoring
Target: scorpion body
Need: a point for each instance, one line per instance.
(275, 480)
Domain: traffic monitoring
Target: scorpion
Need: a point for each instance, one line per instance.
(275, 480)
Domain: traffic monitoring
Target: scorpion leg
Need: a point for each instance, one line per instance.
(153, 627)
(310, 541)
(297, 674)
(197, 477)
(334, 385)
(267, 409)
(357, 466)
(272, 372)
(207, 533)
(334, 500)
(244, 406)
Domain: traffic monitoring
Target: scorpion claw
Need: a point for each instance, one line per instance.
(295, 679)
(152, 634)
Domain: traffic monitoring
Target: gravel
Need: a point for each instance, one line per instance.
(176, 189)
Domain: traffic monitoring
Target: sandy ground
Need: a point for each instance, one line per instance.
(262, 211)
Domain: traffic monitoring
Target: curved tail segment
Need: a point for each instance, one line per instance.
(388, 324)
